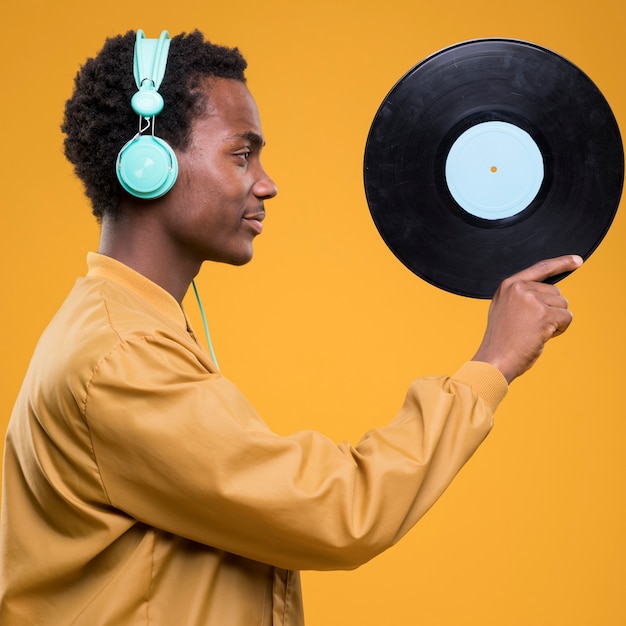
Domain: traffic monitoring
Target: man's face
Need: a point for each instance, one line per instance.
(216, 205)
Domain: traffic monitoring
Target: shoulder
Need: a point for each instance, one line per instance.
(106, 332)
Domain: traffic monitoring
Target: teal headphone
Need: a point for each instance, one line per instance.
(147, 166)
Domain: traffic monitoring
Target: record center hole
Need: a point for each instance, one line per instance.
(494, 169)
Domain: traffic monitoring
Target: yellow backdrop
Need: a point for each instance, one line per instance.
(532, 531)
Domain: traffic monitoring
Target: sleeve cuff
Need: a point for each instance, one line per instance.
(485, 379)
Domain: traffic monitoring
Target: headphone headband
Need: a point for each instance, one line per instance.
(150, 58)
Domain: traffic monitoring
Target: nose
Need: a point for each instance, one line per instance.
(265, 188)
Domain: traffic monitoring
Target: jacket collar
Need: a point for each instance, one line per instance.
(108, 268)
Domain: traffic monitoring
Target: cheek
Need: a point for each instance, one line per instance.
(199, 180)
(184, 182)
(207, 195)
(192, 190)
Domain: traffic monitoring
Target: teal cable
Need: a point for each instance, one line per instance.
(206, 326)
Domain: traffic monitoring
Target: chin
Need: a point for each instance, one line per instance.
(240, 262)
(238, 259)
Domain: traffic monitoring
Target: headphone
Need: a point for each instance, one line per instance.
(146, 166)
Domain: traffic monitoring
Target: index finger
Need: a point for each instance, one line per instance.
(549, 267)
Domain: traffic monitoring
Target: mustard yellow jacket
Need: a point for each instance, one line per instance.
(141, 488)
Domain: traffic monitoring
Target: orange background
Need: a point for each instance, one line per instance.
(325, 329)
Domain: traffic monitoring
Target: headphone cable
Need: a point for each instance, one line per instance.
(204, 322)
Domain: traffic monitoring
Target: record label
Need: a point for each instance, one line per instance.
(494, 170)
(489, 156)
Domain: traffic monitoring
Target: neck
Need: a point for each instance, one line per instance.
(137, 243)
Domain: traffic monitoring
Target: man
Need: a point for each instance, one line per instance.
(140, 486)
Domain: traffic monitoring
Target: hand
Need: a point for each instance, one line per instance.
(524, 314)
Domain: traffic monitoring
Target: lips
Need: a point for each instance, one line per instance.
(255, 220)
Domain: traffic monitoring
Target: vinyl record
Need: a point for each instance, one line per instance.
(488, 156)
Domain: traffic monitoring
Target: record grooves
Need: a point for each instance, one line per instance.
(489, 156)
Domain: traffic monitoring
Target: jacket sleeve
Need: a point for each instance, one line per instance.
(180, 448)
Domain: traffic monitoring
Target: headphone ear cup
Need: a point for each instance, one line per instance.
(147, 167)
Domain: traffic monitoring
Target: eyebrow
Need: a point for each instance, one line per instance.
(254, 138)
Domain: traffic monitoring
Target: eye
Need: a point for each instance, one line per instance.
(245, 155)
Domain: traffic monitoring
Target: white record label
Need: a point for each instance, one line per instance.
(494, 170)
